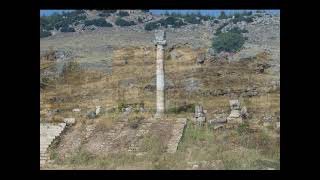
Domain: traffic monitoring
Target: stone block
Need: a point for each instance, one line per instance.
(234, 104)
(69, 121)
(235, 114)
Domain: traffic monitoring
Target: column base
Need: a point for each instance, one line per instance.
(159, 115)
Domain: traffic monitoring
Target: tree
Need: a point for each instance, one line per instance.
(122, 22)
(101, 22)
(123, 13)
(228, 42)
(223, 15)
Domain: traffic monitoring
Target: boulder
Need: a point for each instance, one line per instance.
(244, 112)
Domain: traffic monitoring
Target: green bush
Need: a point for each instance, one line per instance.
(242, 18)
(122, 22)
(151, 26)
(140, 20)
(216, 21)
(123, 13)
(238, 30)
(218, 31)
(187, 108)
(44, 33)
(228, 42)
(101, 22)
(102, 14)
(109, 11)
(67, 29)
(192, 19)
(223, 15)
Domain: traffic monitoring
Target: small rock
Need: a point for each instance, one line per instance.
(278, 125)
(195, 166)
(234, 114)
(76, 110)
(98, 109)
(244, 112)
(234, 104)
(69, 121)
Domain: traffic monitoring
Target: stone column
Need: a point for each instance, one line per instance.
(160, 43)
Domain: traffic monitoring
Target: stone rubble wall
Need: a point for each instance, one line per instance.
(48, 133)
(177, 133)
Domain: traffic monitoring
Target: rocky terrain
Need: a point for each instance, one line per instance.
(113, 68)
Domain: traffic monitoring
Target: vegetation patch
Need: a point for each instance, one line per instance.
(228, 42)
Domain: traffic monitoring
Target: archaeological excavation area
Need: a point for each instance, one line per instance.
(115, 99)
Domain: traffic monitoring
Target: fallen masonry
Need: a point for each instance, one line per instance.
(48, 133)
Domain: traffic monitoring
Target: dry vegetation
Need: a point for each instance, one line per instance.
(240, 148)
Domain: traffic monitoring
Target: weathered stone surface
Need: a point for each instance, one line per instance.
(234, 114)
(76, 110)
(69, 121)
(48, 133)
(235, 104)
(176, 135)
(244, 112)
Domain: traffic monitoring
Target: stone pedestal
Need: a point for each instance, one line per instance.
(235, 115)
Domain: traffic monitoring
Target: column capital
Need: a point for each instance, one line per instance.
(163, 42)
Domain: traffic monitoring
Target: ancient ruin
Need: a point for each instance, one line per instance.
(160, 43)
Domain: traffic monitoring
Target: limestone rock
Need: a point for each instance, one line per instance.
(234, 104)
(98, 109)
(244, 112)
(69, 121)
(76, 110)
(235, 114)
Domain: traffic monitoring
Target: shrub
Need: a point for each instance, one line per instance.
(216, 21)
(44, 33)
(123, 13)
(140, 20)
(192, 19)
(101, 22)
(218, 31)
(242, 18)
(151, 26)
(102, 14)
(122, 22)
(229, 42)
(109, 11)
(223, 15)
(238, 30)
(67, 29)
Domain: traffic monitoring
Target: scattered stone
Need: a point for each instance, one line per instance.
(195, 166)
(235, 115)
(98, 110)
(199, 115)
(244, 112)
(76, 110)
(69, 121)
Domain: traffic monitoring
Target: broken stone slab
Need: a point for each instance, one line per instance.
(244, 112)
(69, 121)
(76, 110)
(198, 111)
(234, 120)
(235, 114)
